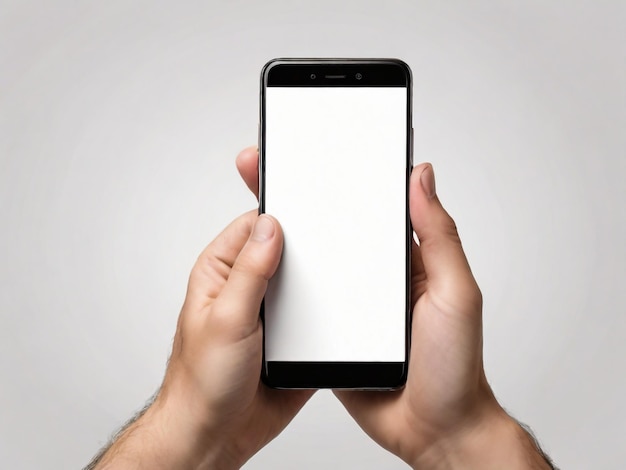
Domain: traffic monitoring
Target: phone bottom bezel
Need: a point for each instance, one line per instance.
(344, 375)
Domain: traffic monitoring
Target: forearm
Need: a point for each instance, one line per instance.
(497, 443)
(157, 439)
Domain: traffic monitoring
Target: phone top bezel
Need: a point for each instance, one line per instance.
(295, 72)
(336, 73)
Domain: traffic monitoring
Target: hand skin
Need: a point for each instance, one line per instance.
(446, 416)
(212, 411)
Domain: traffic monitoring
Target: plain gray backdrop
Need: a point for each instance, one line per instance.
(119, 124)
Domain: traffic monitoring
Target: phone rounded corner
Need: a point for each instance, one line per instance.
(268, 66)
(403, 378)
(400, 383)
(406, 69)
(265, 379)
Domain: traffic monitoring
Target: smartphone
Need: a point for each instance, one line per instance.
(335, 156)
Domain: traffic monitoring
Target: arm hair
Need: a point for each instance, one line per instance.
(98, 458)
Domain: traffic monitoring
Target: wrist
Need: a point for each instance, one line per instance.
(166, 436)
(187, 437)
(495, 441)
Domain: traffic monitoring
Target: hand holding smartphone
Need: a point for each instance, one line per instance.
(335, 158)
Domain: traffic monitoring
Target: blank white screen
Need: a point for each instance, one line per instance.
(335, 178)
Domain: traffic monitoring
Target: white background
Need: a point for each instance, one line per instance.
(119, 123)
(335, 174)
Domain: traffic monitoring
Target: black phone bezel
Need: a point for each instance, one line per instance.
(291, 72)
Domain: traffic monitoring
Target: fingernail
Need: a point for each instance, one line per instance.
(263, 229)
(427, 179)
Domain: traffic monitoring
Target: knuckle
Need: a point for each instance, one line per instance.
(249, 265)
(460, 295)
(442, 228)
(211, 265)
(221, 315)
(209, 273)
(449, 228)
(227, 322)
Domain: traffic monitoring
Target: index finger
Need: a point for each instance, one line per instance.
(248, 165)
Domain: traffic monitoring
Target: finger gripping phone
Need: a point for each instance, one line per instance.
(334, 165)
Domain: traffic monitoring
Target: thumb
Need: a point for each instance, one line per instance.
(445, 264)
(236, 310)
